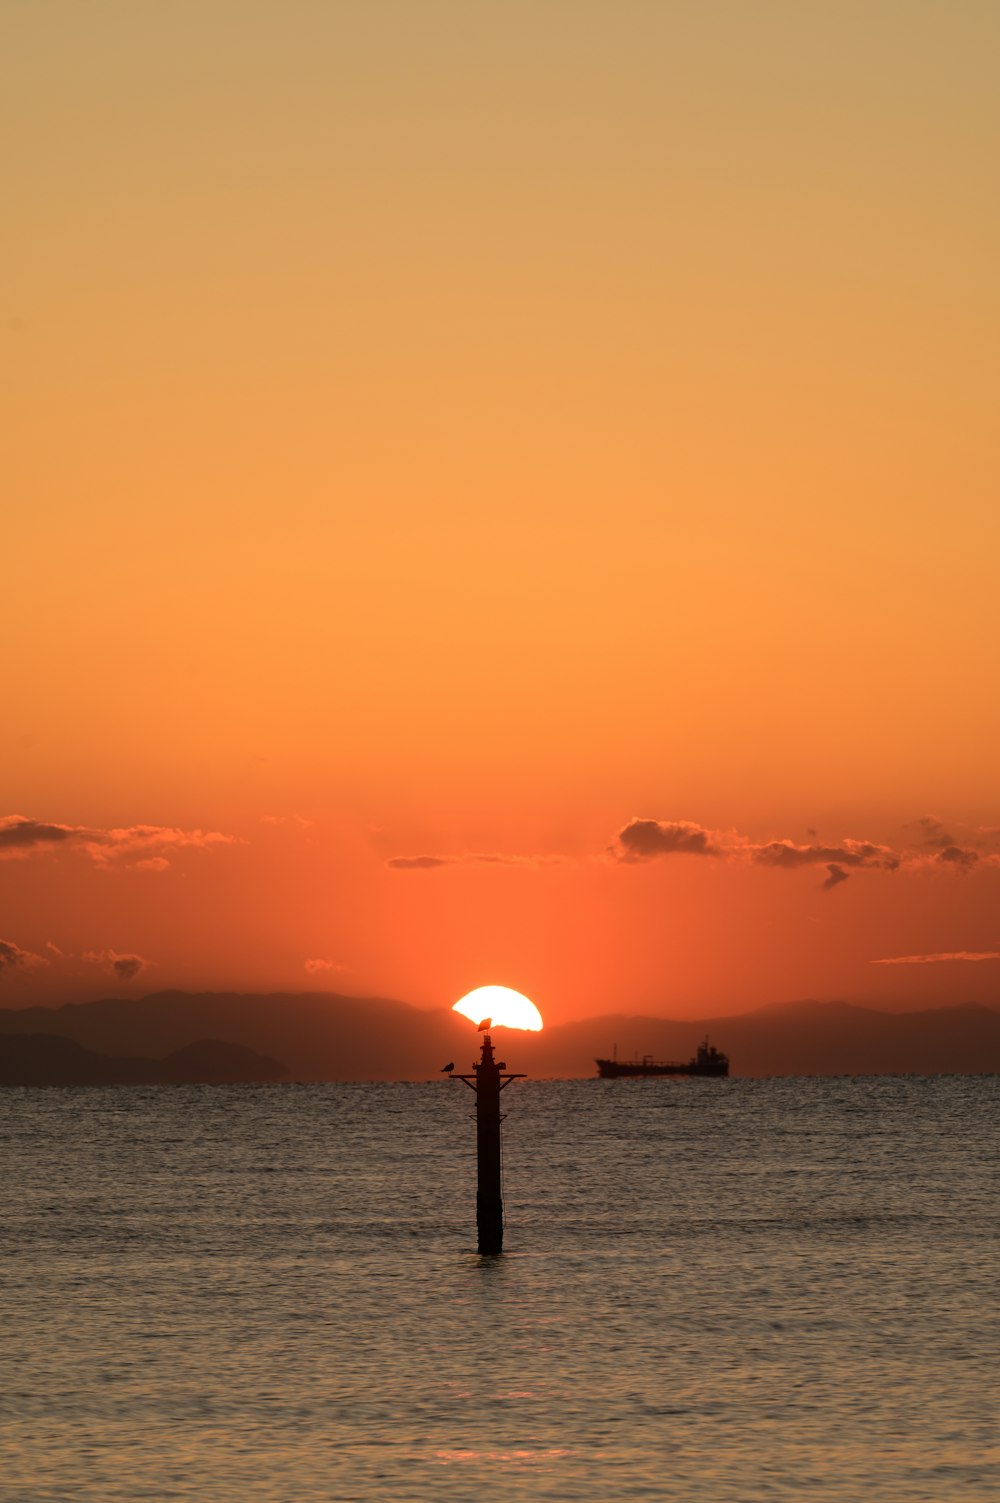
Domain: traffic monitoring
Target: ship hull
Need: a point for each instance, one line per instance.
(613, 1069)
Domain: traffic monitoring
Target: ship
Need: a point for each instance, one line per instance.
(707, 1061)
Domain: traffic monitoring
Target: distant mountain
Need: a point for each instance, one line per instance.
(327, 1036)
(804, 1038)
(319, 1036)
(38, 1059)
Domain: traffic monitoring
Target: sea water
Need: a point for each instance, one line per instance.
(711, 1290)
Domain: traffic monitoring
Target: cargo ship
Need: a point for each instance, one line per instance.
(708, 1061)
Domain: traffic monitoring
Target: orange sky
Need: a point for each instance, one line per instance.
(456, 431)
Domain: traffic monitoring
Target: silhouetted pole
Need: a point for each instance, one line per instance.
(488, 1081)
(489, 1191)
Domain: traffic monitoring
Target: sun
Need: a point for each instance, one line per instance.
(507, 1008)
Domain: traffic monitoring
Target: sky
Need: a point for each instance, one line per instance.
(501, 494)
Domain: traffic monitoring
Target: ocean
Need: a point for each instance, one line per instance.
(711, 1290)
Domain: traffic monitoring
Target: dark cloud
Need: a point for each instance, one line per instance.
(934, 836)
(933, 848)
(857, 853)
(958, 856)
(931, 831)
(18, 833)
(122, 967)
(127, 966)
(12, 957)
(146, 843)
(869, 854)
(783, 853)
(645, 839)
(418, 863)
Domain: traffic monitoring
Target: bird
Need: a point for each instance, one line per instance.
(447, 1069)
(485, 1025)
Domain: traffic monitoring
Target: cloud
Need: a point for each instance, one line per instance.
(960, 852)
(786, 854)
(12, 957)
(419, 863)
(122, 967)
(934, 850)
(481, 858)
(18, 833)
(958, 857)
(931, 830)
(150, 841)
(940, 957)
(21, 836)
(314, 967)
(645, 839)
(649, 839)
(10, 954)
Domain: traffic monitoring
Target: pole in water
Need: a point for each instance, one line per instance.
(489, 1190)
(488, 1080)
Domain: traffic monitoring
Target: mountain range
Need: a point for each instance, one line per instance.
(328, 1036)
(47, 1059)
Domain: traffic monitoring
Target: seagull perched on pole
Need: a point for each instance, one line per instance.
(447, 1069)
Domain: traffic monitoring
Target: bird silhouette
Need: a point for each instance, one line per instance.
(447, 1069)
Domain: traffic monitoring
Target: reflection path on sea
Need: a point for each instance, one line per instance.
(716, 1290)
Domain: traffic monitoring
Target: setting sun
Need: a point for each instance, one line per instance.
(506, 1008)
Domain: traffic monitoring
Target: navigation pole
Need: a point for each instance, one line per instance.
(489, 1078)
